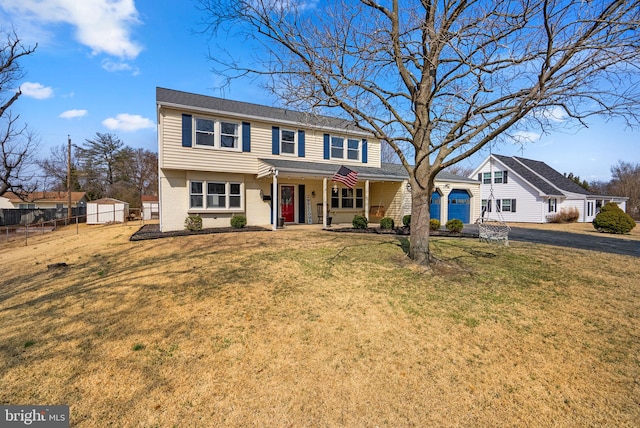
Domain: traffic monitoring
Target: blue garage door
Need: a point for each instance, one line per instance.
(459, 205)
(434, 208)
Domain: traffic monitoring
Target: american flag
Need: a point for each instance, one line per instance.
(346, 176)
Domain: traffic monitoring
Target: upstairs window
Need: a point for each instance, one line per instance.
(205, 132)
(486, 178)
(337, 147)
(217, 133)
(229, 135)
(288, 142)
(497, 177)
(353, 149)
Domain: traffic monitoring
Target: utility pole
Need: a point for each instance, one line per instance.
(69, 210)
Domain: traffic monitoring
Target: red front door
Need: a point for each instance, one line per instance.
(287, 206)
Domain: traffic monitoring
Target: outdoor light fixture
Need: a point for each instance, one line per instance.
(335, 188)
(313, 193)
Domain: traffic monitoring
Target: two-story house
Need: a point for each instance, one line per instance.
(220, 157)
(526, 190)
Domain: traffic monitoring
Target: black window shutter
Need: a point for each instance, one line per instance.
(326, 146)
(246, 137)
(504, 177)
(513, 205)
(365, 151)
(187, 130)
(275, 140)
(480, 177)
(301, 144)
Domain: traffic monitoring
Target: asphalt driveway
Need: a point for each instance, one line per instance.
(595, 242)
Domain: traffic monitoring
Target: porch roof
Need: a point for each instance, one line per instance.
(387, 172)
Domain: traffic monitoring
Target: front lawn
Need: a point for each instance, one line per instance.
(310, 328)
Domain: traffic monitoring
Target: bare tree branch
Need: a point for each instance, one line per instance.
(447, 77)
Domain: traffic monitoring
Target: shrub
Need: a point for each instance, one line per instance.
(611, 219)
(238, 221)
(386, 223)
(359, 222)
(434, 224)
(193, 223)
(406, 220)
(454, 225)
(566, 215)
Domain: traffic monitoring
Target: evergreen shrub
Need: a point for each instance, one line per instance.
(611, 219)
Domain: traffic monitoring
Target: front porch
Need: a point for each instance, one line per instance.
(303, 193)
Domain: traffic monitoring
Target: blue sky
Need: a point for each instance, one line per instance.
(98, 63)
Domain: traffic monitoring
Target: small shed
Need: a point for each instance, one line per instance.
(150, 207)
(107, 210)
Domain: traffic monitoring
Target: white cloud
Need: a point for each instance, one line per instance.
(103, 25)
(555, 114)
(70, 114)
(128, 122)
(36, 90)
(111, 67)
(521, 137)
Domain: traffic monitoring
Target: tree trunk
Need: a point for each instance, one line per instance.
(420, 218)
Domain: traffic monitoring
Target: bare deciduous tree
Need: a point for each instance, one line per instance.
(445, 77)
(625, 181)
(17, 143)
(55, 169)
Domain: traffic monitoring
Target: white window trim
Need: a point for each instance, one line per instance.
(340, 208)
(359, 149)
(331, 137)
(227, 208)
(217, 134)
(295, 142)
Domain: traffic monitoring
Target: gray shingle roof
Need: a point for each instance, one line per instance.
(527, 174)
(557, 179)
(203, 102)
(542, 176)
(390, 171)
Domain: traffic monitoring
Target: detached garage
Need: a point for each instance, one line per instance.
(107, 210)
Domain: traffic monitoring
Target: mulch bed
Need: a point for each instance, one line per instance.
(404, 231)
(152, 231)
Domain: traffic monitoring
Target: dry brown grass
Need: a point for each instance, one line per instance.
(304, 328)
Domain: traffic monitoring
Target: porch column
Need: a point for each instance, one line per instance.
(274, 200)
(324, 203)
(366, 199)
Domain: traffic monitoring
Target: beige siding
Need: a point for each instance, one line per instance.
(174, 156)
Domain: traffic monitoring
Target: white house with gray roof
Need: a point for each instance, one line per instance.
(529, 191)
(220, 157)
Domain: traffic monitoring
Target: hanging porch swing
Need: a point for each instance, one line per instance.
(492, 230)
